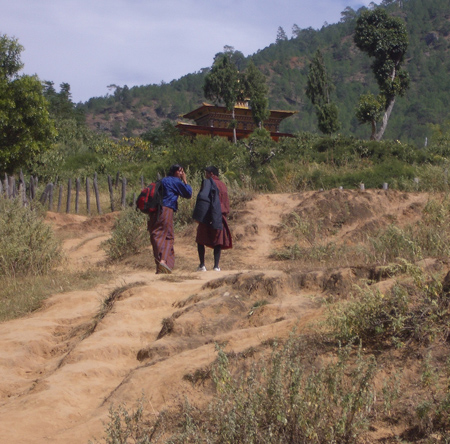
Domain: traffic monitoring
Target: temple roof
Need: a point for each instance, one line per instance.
(192, 130)
(214, 120)
(240, 108)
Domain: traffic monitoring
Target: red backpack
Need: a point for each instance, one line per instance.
(150, 199)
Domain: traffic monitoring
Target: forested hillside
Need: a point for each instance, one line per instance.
(133, 111)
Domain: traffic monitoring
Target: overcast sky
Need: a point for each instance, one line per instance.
(91, 44)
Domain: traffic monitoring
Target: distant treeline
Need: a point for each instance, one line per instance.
(285, 64)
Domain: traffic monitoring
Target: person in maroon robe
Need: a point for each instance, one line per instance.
(211, 210)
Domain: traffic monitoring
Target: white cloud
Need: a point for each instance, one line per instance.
(93, 43)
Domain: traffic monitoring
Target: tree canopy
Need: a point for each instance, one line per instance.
(226, 84)
(257, 90)
(384, 38)
(318, 89)
(25, 125)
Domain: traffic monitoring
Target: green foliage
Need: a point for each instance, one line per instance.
(222, 82)
(129, 235)
(285, 66)
(27, 244)
(126, 427)
(327, 115)
(25, 125)
(280, 399)
(384, 38)
(257, 90)
(370, 108)
(394, 242)
(260, 148)
(306, 161)
(163, 135)
(204, 151)
(10, 51)
(284, 400)
(61, 106)
(319, 89)
(417, 311)
(433, 409)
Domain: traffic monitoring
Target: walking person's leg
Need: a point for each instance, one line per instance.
(217, 251)
(162, 239)
(201, 257)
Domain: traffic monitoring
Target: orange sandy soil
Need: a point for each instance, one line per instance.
(60, 371)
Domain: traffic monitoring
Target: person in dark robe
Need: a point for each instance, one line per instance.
(160, 224)
(211, 210)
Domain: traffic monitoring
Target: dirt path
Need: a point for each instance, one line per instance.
(61, 368)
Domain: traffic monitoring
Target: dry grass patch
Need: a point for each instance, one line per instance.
(20, 297)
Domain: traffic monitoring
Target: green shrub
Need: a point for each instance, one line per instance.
(27, 244)
(129, 235)
(412, 311)
(279, 400)
(285, 400)
(392, 243)
(433, 409)
(130, 427)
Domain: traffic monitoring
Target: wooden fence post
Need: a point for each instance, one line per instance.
(6, 186)
(111, 195)
(97, 196)
(43, 198)
(69, 192)
(88, 197)
(12, 187)
(1, 189)
(32, 188)
(124, 192)
(45, 194)
(60, 195)
(77, 195)
(50, 197)
(22, 188)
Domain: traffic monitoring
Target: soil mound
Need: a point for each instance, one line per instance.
(62, 367)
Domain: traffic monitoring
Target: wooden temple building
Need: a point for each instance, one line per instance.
(215, 120)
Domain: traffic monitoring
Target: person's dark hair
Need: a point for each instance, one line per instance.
(173, 169)
(212, 169)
